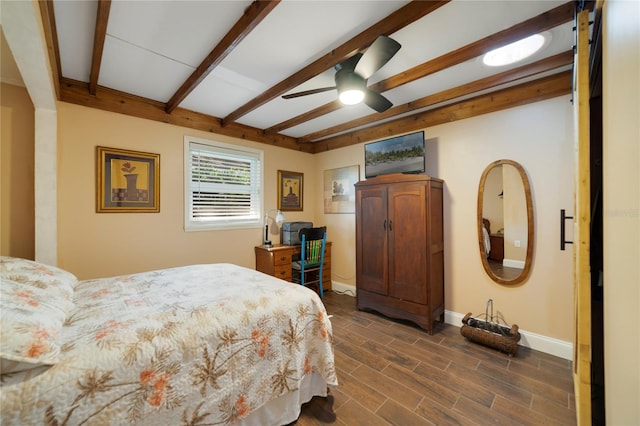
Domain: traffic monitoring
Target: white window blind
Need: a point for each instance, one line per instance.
(223, 186)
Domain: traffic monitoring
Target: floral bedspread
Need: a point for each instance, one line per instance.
(201, 344)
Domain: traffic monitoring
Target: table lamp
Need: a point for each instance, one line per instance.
(279, 218)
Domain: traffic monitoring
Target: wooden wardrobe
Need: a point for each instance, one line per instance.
(400, 247)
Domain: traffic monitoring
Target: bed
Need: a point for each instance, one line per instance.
(199, 344)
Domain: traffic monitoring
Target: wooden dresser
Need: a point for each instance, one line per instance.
(497, 247)
(276, 260)
(400, 248)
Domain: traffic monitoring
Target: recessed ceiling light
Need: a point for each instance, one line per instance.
(514, 52)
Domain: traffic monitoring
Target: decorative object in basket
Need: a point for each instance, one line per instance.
(489, 333)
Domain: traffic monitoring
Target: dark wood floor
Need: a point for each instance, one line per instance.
(391, 372)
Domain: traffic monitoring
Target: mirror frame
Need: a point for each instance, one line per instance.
(530, 226)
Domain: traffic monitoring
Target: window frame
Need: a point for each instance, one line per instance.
(222, 148)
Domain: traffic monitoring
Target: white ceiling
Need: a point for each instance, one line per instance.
(152, 47)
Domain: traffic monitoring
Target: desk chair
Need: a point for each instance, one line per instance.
(308, 270)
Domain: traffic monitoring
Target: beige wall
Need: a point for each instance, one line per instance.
(94, 244)
(341, 228)
(17, 216)
(540, 138)
(621, 217)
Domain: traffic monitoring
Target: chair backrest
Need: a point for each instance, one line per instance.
(313, 242)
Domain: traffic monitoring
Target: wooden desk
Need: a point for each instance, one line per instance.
(276, 261)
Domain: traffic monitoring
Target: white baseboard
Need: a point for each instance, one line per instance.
(511, 263)
(343, 288)
(541, 343)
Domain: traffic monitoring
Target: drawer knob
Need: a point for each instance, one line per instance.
(283, 257)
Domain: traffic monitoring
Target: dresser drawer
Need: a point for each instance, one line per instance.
(283, 272)
(283, 258)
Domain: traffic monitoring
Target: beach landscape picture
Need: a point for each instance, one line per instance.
(402, 154)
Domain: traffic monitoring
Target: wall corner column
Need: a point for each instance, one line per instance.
(46, 193)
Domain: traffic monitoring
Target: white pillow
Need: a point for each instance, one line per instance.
(31, 322)
(35, 300)
(39, 275)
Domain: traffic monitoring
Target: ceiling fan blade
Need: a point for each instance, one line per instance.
(378, 54)
(349, 63)
(308, 92)
(376, 101)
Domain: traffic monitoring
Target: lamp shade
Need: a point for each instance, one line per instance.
(278, 219)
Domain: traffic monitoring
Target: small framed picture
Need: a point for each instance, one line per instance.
(290, 190)
(127, 181)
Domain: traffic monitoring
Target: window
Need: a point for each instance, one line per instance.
(223, 185)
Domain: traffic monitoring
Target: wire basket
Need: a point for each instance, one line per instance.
(489, 332)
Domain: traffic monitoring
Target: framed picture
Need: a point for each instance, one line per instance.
(127, 181)
(289, 190)
(339, 191)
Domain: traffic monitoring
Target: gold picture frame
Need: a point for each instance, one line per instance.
(127, 181)
(290, 190)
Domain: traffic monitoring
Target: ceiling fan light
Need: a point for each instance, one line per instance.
(351, 96)
(514, 52)
(351, 87)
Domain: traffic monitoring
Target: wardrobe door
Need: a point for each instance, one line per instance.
(371, 239)
(407, 242)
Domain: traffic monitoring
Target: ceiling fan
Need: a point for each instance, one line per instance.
(352, 75)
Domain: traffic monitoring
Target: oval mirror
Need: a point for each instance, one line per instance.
(505, 222)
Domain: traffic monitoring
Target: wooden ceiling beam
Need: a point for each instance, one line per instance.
(304, 117)
(402, 17)
(48, 17)
(538, 90)
(102, 20)
(253, 15)
(506, 77)
(547, 20)
(77, 92)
